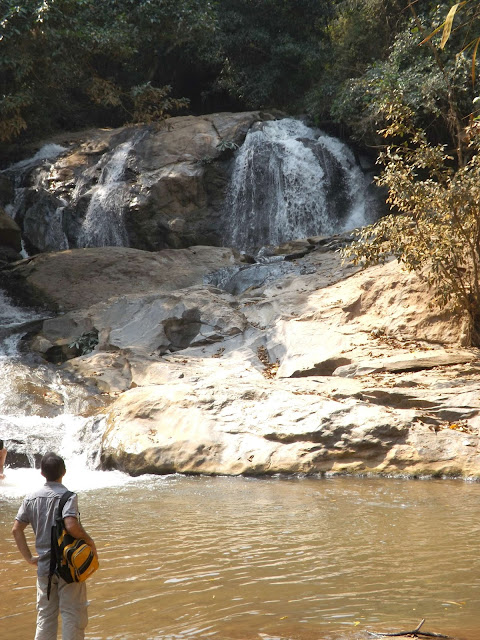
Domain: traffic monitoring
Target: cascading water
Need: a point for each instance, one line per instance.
(50, 218)
(104, 223)
(47, 152)
(291, 182)
(288, 182)
(40, 411)
(89, 213)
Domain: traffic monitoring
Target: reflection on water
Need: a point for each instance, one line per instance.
(237, 559)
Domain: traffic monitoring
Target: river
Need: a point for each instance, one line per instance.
(276, 559)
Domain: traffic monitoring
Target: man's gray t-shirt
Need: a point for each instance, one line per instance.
(39, 510)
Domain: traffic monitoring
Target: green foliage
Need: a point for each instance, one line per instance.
(425, 87)
(380, 47)
(78, 62)
(75, 63)
(154, 104)
(436, 228)
(360, 33)
(85, 343)
(270, 52)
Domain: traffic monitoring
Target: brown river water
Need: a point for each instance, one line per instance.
(272, 559)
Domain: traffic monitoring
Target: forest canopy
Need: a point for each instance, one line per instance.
(69, 64)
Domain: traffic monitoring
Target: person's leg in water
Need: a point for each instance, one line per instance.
(3, 455)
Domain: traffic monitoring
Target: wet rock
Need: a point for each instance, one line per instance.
(20, 459)
(172, 184)
(6, 190)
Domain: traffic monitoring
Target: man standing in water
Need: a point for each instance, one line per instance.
(38, 510)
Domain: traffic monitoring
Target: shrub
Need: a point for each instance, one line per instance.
(435, 227)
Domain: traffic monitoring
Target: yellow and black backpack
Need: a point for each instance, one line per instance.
(70, 558)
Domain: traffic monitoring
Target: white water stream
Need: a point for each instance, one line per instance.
(103, 185)
(39, 412)
(104, 223)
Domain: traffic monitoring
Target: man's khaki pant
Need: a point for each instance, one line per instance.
(70, 600)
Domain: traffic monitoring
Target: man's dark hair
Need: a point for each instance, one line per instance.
(52, 466)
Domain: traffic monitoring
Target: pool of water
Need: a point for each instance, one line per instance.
(278, 558)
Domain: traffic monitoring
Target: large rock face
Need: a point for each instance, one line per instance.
(166, 185)
(308, 367)
(203, 362)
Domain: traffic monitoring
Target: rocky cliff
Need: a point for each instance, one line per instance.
(157, 187)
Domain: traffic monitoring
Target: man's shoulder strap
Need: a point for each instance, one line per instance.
(63, 501)
(54, 543)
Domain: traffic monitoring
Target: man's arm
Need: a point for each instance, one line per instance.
(75, 529)
(18, 532)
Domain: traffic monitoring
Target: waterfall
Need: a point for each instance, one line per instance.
(28, 424)
(49, 218)
(91, 214)
(288, 181)
(292, 182)
(47, 152)
(104, 223)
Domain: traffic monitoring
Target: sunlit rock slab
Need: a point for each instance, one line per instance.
(194, 385)
(79, 278)
(377, 313)
(223, 417)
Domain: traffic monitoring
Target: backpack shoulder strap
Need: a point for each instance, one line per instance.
(53, 555)
(63, 501)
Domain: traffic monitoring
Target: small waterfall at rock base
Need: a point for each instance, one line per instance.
(103, 224)
(42, 410)
(92, 215)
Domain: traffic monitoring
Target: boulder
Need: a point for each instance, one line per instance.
(231, 421)
(78, 278)
(153, 323)
(240, 425)
(349, 315)
(171, 322)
